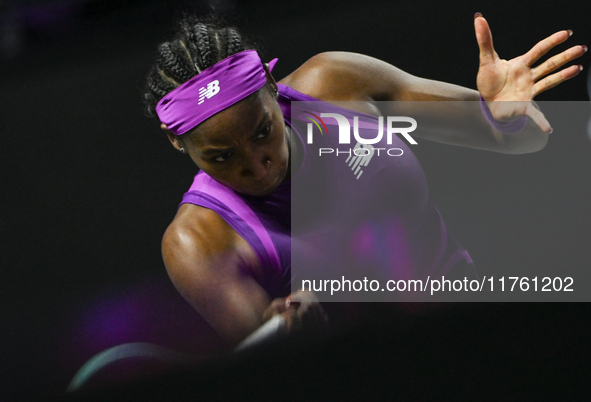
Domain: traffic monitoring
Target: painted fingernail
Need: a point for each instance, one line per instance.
(580, 67)
(584, 48)
(551, 130)
(570, 32)
(478, 15)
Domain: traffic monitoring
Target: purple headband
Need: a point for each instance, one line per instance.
(213, 90)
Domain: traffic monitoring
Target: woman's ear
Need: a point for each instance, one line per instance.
(174, 139)
(270, 79)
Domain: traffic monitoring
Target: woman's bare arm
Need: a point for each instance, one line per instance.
(342, 76)
(208, 264)
(214, 269)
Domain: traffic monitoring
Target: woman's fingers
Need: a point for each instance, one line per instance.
(304, 312)
(303, 296)
(557, 61)
(544, 46)
(484, 39)
(555, 79)
(538, 117)
(277, 306)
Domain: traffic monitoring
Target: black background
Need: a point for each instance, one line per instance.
(90, 184)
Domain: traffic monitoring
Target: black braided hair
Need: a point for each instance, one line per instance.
(199, 44)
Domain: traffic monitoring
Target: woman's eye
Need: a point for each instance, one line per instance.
(265, 132)
(223, 157)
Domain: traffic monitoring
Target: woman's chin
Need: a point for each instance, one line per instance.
(264, 189)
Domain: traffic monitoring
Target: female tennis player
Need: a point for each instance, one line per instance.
(228, 249)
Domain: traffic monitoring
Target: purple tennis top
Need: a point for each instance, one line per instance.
(405, 232)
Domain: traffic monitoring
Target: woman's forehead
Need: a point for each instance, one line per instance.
(240, 119)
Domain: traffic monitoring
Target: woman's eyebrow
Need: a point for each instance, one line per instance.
(213, 150)
(262, 122)
(210, 151)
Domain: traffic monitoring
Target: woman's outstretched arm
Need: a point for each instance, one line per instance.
(341, 76)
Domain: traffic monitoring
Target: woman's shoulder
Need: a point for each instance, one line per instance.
(343, 76)
(198, 234)
(318, 76)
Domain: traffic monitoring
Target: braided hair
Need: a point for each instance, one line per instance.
(199, 44)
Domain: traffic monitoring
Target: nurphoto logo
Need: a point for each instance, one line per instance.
(345, 128)
(364, 150)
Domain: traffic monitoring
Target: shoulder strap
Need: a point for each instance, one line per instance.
(203, 183)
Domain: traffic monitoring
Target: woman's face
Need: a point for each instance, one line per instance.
(245, 146)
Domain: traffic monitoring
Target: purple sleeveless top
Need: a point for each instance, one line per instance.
(418, 241)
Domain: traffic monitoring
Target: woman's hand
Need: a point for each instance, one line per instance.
(301, 311)
(516, 80)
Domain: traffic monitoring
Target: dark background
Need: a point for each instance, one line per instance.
(89, 184)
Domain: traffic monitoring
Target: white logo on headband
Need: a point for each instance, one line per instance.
(212, 88)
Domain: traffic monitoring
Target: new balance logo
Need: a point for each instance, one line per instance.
(362, 154)
(207, 92)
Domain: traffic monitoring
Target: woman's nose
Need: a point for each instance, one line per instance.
(258, 168)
